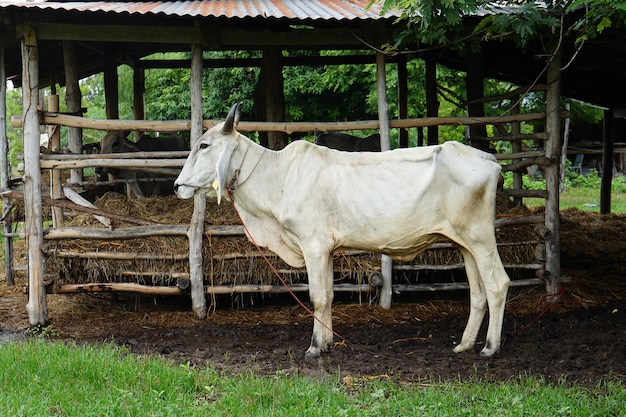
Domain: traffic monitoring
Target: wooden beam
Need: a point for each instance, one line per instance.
(224, 37)
(288, 127)
(118, 33)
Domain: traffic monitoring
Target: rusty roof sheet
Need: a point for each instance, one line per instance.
(278, 9)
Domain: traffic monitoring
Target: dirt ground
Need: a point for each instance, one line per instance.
(581, 338)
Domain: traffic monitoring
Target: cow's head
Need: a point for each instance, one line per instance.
(114, 142)
(209, 159)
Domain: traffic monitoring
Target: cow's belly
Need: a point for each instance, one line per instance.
(399, 249)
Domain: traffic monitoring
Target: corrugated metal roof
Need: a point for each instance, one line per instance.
(277, 9)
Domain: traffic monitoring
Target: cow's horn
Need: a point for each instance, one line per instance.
(232, 120)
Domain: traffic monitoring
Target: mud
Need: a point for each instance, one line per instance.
(581, 338)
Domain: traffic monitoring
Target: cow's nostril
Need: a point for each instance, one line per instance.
(175, 187)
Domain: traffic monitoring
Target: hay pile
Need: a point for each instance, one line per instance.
(228, 260)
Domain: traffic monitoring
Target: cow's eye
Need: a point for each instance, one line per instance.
(204, 145)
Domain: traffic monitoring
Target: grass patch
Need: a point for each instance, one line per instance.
(44, 378)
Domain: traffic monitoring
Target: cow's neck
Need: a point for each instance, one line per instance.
(256, 177)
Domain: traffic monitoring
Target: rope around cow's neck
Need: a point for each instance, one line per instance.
(275, 271)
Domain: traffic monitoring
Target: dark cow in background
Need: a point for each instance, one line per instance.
(117, 142)
(344, 142)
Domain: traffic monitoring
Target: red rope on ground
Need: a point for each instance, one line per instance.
(557, 294)
(275, 271)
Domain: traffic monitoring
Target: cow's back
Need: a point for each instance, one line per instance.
(147, 143)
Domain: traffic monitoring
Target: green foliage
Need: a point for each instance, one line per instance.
(597, 16)
(440, 22)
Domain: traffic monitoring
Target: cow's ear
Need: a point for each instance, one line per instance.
(221, 168)
(232, 120)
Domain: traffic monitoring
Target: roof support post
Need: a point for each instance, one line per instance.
(432, 104)
(383, 120)
(139, 93)
(196, 227)
(553, 151)
(608, 139)
(403, 100)
(37, 307)
(73, 103)
(5, 169)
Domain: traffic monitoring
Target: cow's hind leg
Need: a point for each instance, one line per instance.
(496, 282)
(478, 303)
(489, 284)
(320, 274)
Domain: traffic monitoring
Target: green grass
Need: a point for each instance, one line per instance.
(44, 378)
(581, 192)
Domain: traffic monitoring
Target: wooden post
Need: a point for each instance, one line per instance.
(403, 107)
(553, 149)
(383, 119)
(196, 227)
(72, 101)
(271, 66)
(5, 169)
(37, 307)
(432, 104)
(516, 146)
(111, 85)
(607, 162)
(475, 90)
(56, 186)
(139, 94)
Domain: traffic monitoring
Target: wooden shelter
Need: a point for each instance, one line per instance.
(44, 43)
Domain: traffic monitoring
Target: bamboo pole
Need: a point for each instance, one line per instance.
(37, 306)
(196, 228)
(5, 173)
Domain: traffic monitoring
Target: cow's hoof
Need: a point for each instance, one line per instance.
(312, 354)
(461, 348)
(487, 353)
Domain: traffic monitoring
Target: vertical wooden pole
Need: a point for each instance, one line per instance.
(432, 104)
(72, 101)
(272, 68)
(516, 146)
(474, 85)
(607, 162)
(403, 100)
(37, 307)
(383, 121)
(553, 150)
(5, 168)
(196, 228)
(139, 94)
(111, 85)
(56, 187)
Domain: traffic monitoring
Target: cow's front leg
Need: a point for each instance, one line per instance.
(320, 272)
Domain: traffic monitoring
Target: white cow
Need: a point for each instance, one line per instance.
(305, 202)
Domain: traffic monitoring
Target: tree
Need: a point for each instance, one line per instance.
(447, 22)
